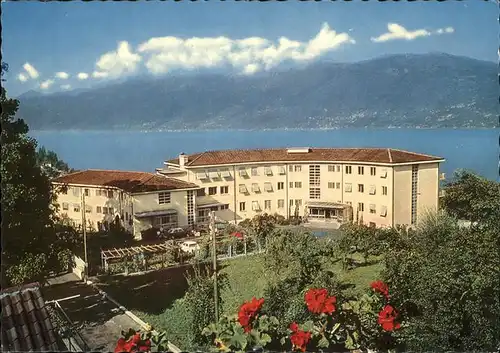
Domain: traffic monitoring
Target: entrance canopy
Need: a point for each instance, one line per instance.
(323, 204)
(155, 213)
(209, 205)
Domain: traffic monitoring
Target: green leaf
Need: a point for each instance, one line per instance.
(307, 326)
(265, 339)
(323, 342)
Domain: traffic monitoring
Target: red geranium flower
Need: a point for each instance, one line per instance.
(134, 344)
(318, 301)
(299, 338)
(381, 287)
(248, 311)
(238, 235)
(387, 317)
(123, 346)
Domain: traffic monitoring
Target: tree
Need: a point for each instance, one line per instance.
(50, 163)
(471, 197)
(29, 237)
(447, 280)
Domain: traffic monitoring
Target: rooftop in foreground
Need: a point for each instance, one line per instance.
(133, 182)
(353, 155)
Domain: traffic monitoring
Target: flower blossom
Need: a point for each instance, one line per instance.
(318, 301)
(248, 312)
(134, 344)
(387, 317)
(380, 287)
(299, 338)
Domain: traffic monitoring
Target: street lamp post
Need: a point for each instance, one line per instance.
(84, 226)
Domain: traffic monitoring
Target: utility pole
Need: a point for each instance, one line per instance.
(214, 258)
(84, 225)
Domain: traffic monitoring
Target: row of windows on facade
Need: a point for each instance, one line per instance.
(226, 173)
(99, 192)
(298, 203)
(269, 188)
(89, 209)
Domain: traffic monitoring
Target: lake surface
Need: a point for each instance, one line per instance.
(477, 150)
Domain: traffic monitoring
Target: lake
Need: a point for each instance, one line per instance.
(477, 150)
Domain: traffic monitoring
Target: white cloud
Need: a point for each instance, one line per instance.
(117, 63)
(248, 55)
(22, 77)
(65, 87)
(397, 31)
(46, 84)
(82, 76)
(62, 75)
(99, 74)
(32, 72)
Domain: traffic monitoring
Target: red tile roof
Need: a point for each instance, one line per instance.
(366, 155)
(26, 325)
(129, 181)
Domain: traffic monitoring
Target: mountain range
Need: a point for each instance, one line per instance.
(426, 90)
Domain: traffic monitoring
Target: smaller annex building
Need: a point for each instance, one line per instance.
(137, 200)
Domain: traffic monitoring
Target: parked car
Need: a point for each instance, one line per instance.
(190, 246)
(175, 233)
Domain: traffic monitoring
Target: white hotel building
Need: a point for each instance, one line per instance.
(379, 187)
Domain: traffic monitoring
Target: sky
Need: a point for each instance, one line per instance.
(57, 46)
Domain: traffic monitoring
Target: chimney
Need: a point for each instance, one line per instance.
(183, 159)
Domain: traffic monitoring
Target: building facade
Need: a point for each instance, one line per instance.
(379, 187)
(137, 200)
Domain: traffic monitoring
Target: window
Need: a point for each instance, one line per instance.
(243, 172)
(337, 185)
(76, 192)
(414, 193)
(291, 203)
(255, 188)
(361, 188)
(224, 189)
(331, 185)
(373, 189)
(281, 185)
(268, 187)
(268, 171)
(224, 207)
(126, 216)
(298, 202)
(167, 221)
(348, 187)
(202, 175)
(110, 194)
(383, 211)
(65, 206)
(314, 193)
(105, 210)
(361, 170)
(255, 171)
(214, 174)
(383, 174)
(331, 168)
(88, 209)
(373, 171)
(267, 204)
(338, 168)
(361, 207)
(281, 203)
(76, 207)
(87, 192)
(225, 173)
(163, 197)
(200, 192)
(242, 206)
(384, 190)
(243, 189)
(298, 184)
(290, 168)
(212, 190)
(348, 169)
(98, 209)
(314, 175)
(111, 210)
(373, 208)
(282, 170)
(255, 206)
(291, 185)
(298, 168)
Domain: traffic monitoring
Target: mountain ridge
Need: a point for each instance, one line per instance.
(408, 90)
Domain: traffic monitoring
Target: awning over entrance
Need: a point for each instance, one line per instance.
(155, 213)
(323, 204)
(209, 205)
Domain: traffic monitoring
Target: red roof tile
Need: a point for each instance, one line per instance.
(26, 325)
(128, 181)
(366, 155)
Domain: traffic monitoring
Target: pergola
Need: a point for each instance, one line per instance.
(116, 254)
